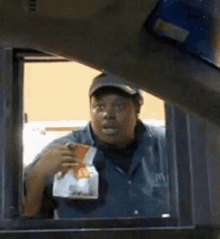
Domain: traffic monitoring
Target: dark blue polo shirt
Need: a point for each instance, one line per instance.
(132, 182)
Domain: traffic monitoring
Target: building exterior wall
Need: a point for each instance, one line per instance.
(59, 91)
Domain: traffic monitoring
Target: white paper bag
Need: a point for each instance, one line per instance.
(75, 184)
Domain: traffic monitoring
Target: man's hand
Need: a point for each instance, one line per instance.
(59, 159)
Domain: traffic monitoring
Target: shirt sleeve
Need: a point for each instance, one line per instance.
(161, 192)
(159, 136)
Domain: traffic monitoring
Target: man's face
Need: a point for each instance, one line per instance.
(113, 118)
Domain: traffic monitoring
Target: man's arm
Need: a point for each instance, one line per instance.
(35, 185)
(49, 164)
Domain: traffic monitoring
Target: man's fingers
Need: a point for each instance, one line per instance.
(65, 167)
(61, 147)
(69, 165)
(64, 151)
(69, 159)
(68, 153)
(67, 146)
(71, 146)
(62, 173)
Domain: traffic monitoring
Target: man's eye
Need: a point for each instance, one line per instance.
(119, 107)
(100, 107)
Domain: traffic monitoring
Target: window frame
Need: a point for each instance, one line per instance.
(11, 63)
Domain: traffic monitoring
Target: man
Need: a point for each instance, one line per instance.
(130, 160)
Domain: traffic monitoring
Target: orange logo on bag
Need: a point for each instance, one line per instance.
(81, 151)
(81, 171)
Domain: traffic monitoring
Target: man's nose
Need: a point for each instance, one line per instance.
(109, 113)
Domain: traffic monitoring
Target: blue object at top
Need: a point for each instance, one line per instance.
(195, 17)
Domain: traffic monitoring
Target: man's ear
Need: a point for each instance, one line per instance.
(139, 101)
(137, 109)
(90, 107)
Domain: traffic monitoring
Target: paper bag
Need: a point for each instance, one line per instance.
(80, 182)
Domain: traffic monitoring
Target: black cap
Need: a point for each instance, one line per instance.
(109, 80)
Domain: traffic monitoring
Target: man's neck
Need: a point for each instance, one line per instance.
(123, 146)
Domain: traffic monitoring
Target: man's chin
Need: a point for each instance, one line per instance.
(110, 140)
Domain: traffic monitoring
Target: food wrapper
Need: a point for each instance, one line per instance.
(82, 181)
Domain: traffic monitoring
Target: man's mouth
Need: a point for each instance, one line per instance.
(109, 130)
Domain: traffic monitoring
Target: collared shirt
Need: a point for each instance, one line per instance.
(134, 187)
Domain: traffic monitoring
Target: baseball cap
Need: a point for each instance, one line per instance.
(108, 80)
